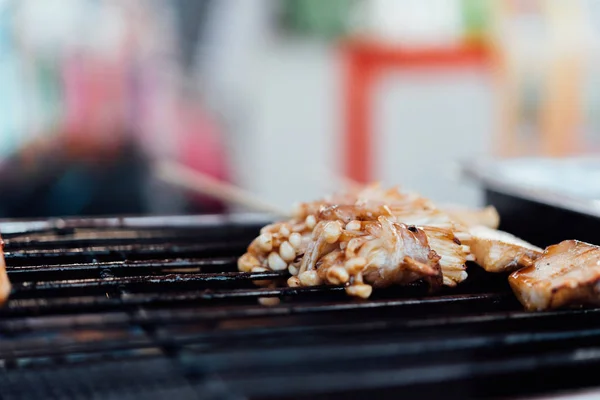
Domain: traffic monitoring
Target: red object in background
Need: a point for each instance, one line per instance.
(364, 63)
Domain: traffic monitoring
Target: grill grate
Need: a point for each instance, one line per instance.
(155, 307)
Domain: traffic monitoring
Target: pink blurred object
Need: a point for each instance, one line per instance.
(95, 98)
(200, 146)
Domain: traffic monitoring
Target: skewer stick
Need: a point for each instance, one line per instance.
(180, 175)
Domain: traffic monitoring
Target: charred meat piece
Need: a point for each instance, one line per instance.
(370, 196)
(567, 273)
(358, 254)
(498, 251)
(443, 236)
(362, 239)
(283, 245)
(362, 255)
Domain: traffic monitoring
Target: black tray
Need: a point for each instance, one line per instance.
(543, 200)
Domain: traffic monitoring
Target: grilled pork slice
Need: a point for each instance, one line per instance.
(4, 282)
(487, 217)
(366, 254)
(567, 273)
(498, 251)
(283, 245)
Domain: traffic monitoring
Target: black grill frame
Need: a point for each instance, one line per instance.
(154, 307)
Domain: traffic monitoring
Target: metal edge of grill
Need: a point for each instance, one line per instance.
(155, 306)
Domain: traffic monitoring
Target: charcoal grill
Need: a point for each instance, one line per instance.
(154, 307)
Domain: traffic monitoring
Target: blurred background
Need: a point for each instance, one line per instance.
(283, 98)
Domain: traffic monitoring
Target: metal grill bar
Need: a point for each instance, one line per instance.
(87, 291)
(104, 283)
(159, 316)
(132, 267)
(121, 252)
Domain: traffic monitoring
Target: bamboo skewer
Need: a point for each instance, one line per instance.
(180, 175)
(188, 178)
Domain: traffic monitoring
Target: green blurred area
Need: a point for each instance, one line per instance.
(476, 15)
(326, 19)
(332, 19)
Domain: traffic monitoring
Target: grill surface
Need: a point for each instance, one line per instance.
(155, 307)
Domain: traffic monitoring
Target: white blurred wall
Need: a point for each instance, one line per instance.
(282, 100)
(424, 126)
(296, 126)
(427, 125)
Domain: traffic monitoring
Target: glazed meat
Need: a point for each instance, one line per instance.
(497, 251)
(567, 273)
(371, 237)
(371, 196)
(374, 237)
(362, 255)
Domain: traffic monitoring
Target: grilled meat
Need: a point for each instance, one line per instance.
(370, 196)
(370, 237)
(365, 254)
(376, 237)
(497, 251)
(567, 273)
